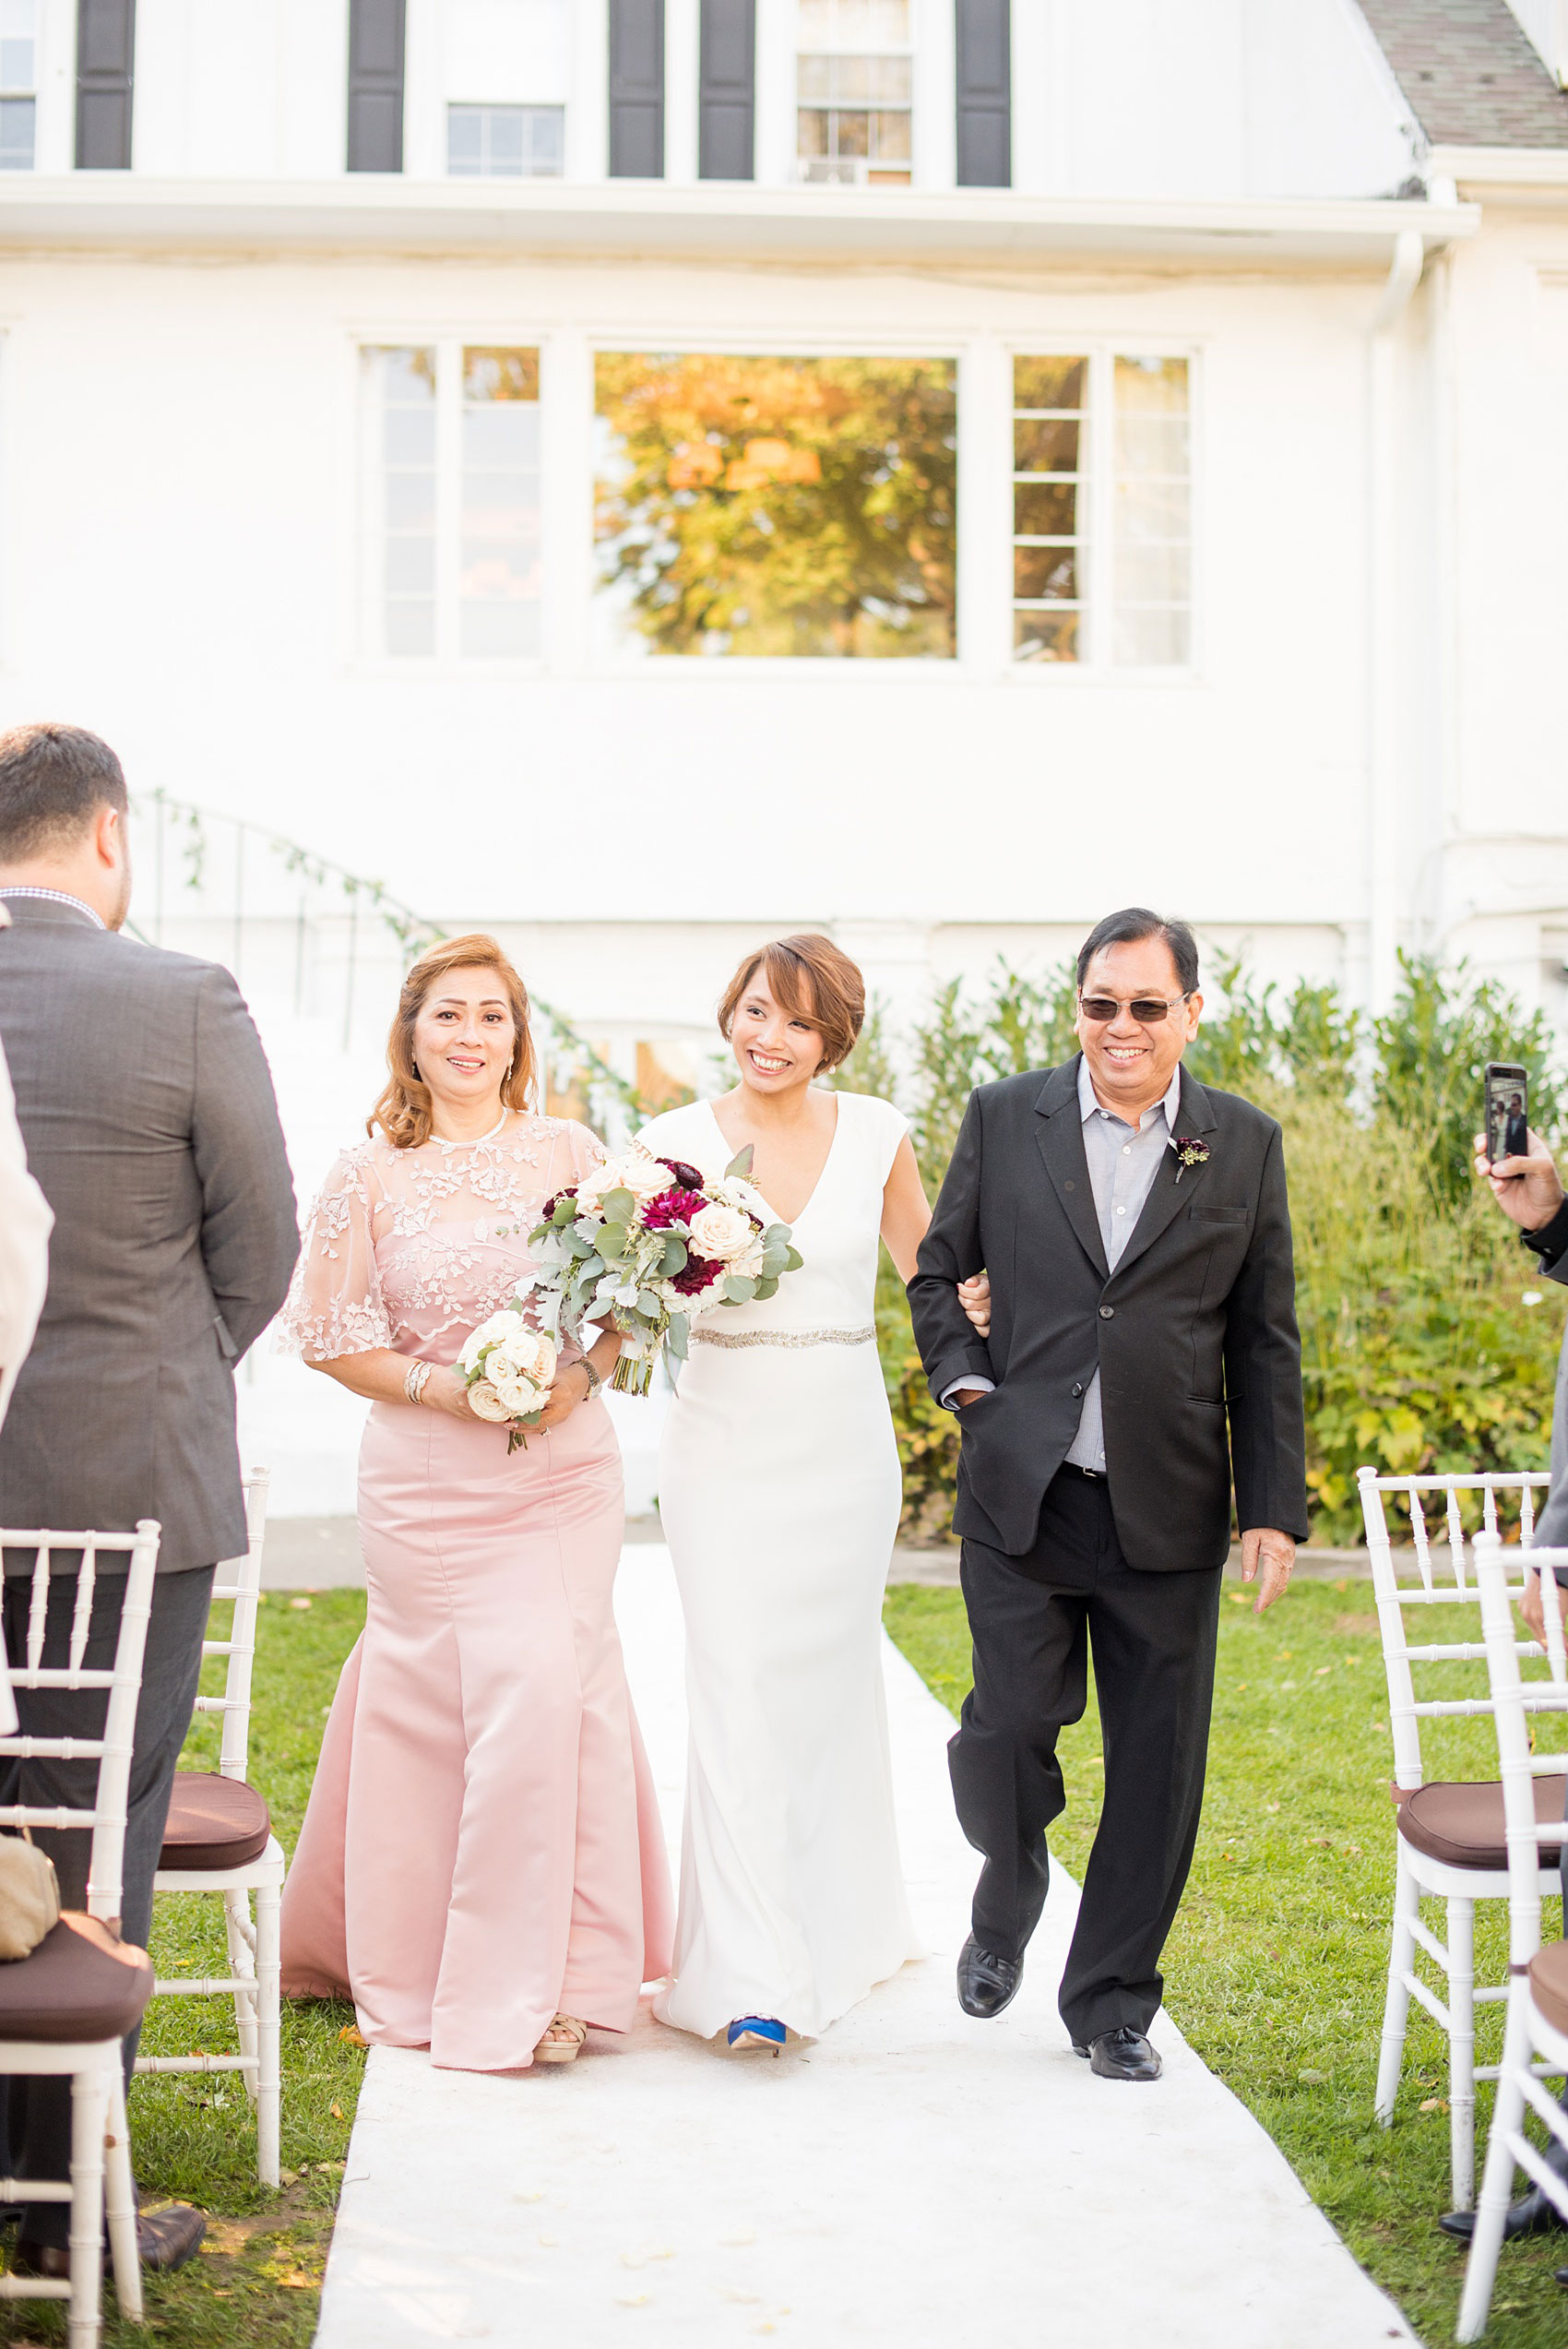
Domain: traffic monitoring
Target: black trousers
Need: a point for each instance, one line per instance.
(35, 2113)
(1033, 1620)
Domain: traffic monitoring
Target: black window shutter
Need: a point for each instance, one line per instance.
(727, 89)
(375, 85)
(985, 93)
(636, 88)
(106, 51)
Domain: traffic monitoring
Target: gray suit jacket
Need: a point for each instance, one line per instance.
(147, 1107)
(1551, 1531)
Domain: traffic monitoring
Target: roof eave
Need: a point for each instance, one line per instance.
(84, 211)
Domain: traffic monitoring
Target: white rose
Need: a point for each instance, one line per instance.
(645, 1177)
(723, 1233)
(523, 1354)
(499, 1325)
(518, 1396)
(593, 1186)
(748, 1264)
(485, 1403)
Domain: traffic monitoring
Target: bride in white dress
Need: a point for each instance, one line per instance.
(779, 1492)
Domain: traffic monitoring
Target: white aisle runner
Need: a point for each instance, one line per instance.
(913, 2179)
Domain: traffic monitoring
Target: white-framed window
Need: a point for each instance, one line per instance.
(1102, 558)
(854, 71)
(18, 84)
(506, 142)
(450, 535)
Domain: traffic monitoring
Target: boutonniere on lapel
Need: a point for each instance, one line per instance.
(1190, 1150)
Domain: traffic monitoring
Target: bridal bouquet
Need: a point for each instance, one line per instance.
(646, 1243)
(510, 1368)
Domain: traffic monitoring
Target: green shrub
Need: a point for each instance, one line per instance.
(1418, 1350)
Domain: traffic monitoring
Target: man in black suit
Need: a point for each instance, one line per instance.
(1142, 1347)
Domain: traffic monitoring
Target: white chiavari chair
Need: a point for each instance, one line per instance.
(1535, 2045)
(1449, 1840)
(65, 2010)
(220, 1840)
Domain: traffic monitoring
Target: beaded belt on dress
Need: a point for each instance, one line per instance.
(784, 1337)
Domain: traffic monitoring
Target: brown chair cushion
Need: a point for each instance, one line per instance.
(1548, 1981)
(214, 1822)
(73, 1986)
(1462, 1824)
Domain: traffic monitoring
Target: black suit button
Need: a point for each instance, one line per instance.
(1107, 1312)
(1068, 1185)
(1078, 1387)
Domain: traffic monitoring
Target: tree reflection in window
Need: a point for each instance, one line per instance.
(777, 507)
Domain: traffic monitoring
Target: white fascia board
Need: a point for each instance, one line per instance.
(650, 220)
(1516, 169)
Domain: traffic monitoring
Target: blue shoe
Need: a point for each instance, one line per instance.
(752, 2034)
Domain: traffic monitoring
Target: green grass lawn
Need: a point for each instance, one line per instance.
(1274, 1972)
(1276, 1969)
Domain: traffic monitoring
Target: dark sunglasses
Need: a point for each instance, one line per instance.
(1148, 1010)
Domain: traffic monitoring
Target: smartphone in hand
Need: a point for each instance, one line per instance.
(1507, 1110)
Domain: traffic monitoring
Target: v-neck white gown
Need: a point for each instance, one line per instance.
(779, 1490)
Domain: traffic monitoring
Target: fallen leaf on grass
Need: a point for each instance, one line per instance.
(298, 2282)
(289, 2177)
(1321, 1670)
(300, 1604)
(352, 2037)
(1314, 2078)
(1271, 1806)
(1434, 2105)
(335, 2111)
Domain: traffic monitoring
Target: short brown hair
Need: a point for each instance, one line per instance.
(403, 1111)
(812, 979)
(52, 781)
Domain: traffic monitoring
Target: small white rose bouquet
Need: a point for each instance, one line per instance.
(647, 1242)
(510, 1368)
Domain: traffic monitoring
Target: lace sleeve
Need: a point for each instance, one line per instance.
(335, 1306)
(587, 1150)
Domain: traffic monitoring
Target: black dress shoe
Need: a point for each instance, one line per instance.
(986, 1985)
(1122, 2053)
(165, 2239)
(1533, 2214)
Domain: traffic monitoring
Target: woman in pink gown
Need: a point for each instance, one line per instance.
(482, 1865)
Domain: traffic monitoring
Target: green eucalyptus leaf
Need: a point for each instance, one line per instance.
(736, 1288)
(675, 1255)
(740, 1165)
(620, 1206)
(675, 1336)
(766, 1289)
(612, 1241)
(796, 1261)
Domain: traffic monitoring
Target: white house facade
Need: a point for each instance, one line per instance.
(444, 434)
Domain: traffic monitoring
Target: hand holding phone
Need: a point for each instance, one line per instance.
(1519, 1168)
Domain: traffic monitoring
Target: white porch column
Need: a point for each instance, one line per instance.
(985, 506)
(1383, 636)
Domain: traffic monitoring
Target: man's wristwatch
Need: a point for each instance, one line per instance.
(595, 1382)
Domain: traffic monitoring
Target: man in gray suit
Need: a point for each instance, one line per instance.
(147, 1107)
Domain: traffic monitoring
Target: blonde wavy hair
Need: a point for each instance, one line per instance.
(403, 1112)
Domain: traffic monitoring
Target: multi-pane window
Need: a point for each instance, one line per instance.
(506, 142)
(1050, 435)
(853, 77)
(18, 84)
(1101, 510)
(774, 505)
(499, 584)
(451, 555)
(1151, 579)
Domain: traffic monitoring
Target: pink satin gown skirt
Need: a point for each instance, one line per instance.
(483, 1846)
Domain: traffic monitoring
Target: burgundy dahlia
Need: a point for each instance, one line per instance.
(689, 1176)
(700, 1273)
(672, 1207)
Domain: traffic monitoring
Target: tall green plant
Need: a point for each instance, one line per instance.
(1432, 1049)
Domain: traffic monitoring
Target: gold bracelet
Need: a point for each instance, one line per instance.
(595, 1382)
